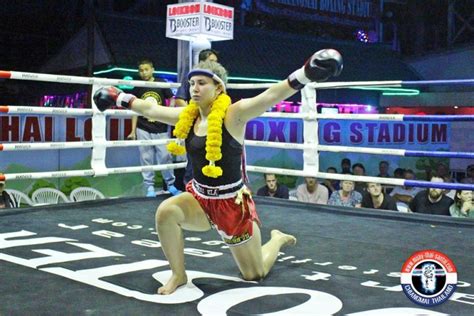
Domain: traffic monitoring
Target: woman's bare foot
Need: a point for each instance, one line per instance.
(286, 240)
(173, 283)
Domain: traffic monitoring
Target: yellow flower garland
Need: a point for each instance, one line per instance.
(214, 132)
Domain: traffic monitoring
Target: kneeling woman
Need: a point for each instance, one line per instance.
(213, 132)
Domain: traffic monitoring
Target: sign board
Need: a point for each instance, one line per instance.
(188, 21)
(351, 13)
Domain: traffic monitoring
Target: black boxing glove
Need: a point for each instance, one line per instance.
(107, 97)
(321, 66)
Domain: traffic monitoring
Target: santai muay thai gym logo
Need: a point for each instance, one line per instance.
(429, 277)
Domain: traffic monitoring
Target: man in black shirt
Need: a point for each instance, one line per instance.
(375, 198)
(6, 201)
(147, 129)
(432, 201)
(273, 189)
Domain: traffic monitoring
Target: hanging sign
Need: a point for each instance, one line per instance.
(188, 21)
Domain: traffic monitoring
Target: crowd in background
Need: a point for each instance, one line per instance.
(455, 203)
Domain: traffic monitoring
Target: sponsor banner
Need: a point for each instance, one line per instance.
(188, 21)
(31, 128)
(357, 13)
(401, 135)
(428, 136)
(37, 128)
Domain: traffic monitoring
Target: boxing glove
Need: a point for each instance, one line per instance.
(321, 66)
(107, 97)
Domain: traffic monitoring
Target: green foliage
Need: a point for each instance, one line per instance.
(74, 182)
(158, 179)
(427, 165)
(289, 181)
(41, 184)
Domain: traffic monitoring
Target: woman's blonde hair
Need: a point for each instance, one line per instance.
(215, 67)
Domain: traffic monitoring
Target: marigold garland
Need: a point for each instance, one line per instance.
(215, 120)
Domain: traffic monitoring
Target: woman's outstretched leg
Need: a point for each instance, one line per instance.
(255, 260)
(271, 249)
(173, 215)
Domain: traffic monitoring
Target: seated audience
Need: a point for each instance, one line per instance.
(462, 206)
(431, 201)
(358, 169)
(442, 171)
(346, 196)
(399, 173)
(375, 198)
(403, 194)
(383, 169)
(330, 184)
(346, 165)
(6, 200)
(469, 175)
(449, 193)
(312, 192)
(273, 188)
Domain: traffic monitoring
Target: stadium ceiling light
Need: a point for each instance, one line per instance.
(386, 91)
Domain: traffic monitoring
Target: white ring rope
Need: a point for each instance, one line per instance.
(82, 144)
(16, 109)
(18, 75)
(90, 172)
(324, 85)
(99, 143)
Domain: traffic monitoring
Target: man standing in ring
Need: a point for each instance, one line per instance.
(147, 129)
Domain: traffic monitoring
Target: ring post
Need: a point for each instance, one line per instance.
(310, 131)
(99, 149)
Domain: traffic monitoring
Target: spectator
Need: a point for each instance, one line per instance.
(404, 194)
(432, 201)
(383, 169)
(6, 200)
(399, 173)
(148, 129)
(469, 175)
(358, 169)
(312, 192)
(462, 206)
(375, 198)
(346, 165)
(442, 170)
(183, 96)
(346, 196)
(331, 185)
(273, 188)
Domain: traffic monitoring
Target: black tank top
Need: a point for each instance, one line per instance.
(230, 162)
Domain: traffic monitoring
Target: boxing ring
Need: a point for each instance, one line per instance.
(103, 257)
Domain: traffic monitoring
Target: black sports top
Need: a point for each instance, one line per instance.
(230, 163)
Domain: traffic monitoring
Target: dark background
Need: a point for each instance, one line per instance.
(33, 31)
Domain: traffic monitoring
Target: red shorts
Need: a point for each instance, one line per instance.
(232, 214)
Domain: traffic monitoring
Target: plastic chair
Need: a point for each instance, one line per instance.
(20, 197)
(48, 196)
(85, 194)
